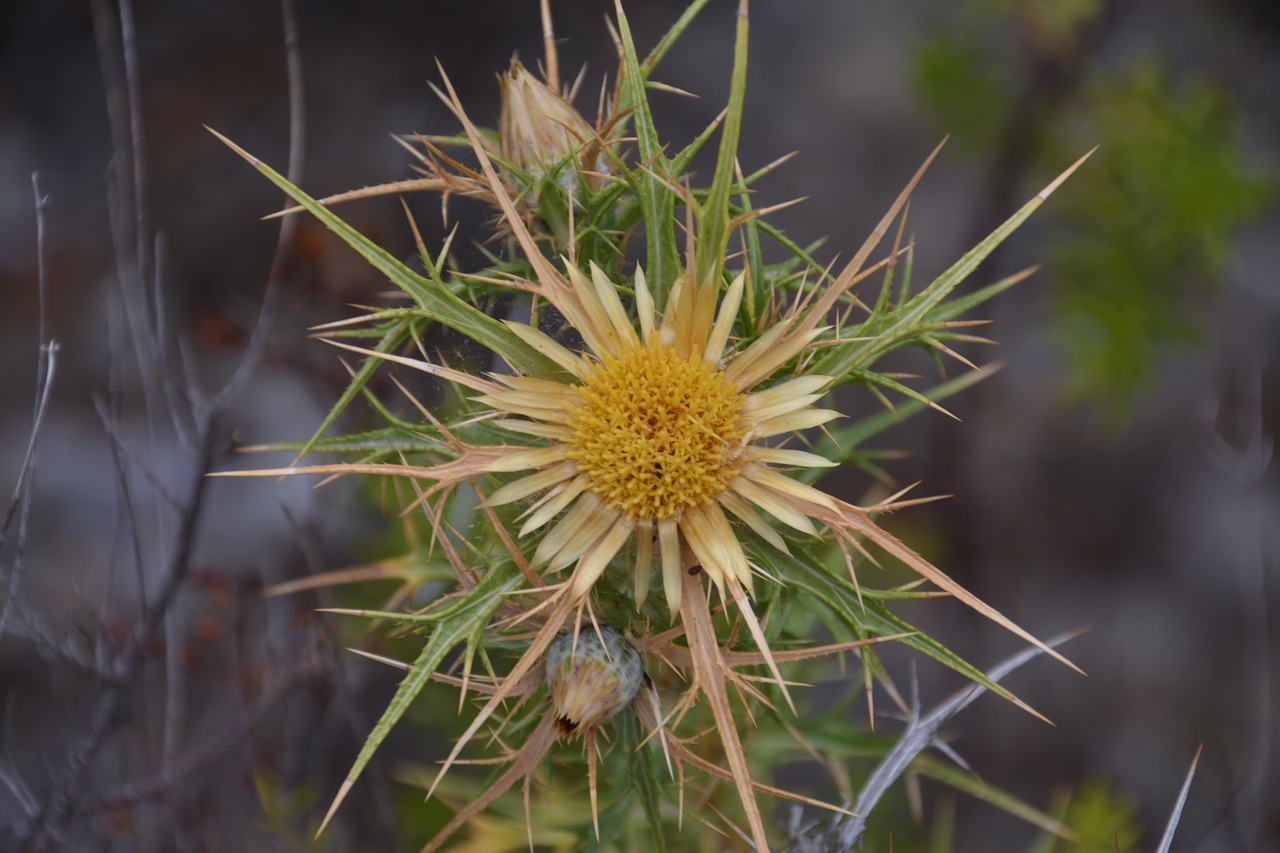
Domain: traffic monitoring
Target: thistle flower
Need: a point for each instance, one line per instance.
(657, 431)
(657, 437)
(647, 427)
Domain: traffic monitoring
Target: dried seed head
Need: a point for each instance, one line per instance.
(538, 129)
(591, 680)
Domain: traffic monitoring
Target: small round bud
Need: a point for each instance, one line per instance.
(538, 129)
(591, 680)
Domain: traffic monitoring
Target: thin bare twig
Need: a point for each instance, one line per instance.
(159, 784)
(30, 626)
(45, 369)
(13, 782)
(124, 453)
(137, 141)
(46, 825)
(193, 419)
(289, 225)
(43, 374)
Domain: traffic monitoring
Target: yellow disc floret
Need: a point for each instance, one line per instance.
(657, 432)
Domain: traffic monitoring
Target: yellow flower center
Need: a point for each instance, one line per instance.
(656, 432)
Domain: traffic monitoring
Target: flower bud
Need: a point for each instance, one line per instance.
(591, 680)
(538, 129)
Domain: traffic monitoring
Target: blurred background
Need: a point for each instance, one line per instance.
(1115, 472)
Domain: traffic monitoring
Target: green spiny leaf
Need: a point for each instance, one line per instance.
(460, 621)
(673, 35)
(435, 302)
(869, 617)
(714, 219)
(910, 319)
(389, 343)
(656, 200)
(966, 782)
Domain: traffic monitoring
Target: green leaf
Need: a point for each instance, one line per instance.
(912, 318)
(713, 238)
(870, 618)
(681, 161)
(871, 378)
(656, 201)
(435, 302)
(966, 782)
(848, 438)
(643, 772)
(673, 35)
(389, 343)
(757, 289)
(389, 440)
(460, 621)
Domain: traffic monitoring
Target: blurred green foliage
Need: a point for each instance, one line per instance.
(962, 91)
(288, 812)
(1169, 189)
(1144, 232)
(1104, 821)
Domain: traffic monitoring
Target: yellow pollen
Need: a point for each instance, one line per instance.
(656, 432)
